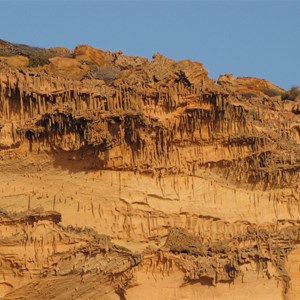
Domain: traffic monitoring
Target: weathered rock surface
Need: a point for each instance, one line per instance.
(123, 178)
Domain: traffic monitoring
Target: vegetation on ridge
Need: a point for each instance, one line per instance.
(37, 56)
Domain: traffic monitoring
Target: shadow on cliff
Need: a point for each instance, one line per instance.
(82, 160)
(206, 281)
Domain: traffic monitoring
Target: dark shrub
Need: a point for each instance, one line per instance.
(39, 59)
(6, 53)
(292, 94)
(272, 92)
(107, 74)
(248, 95)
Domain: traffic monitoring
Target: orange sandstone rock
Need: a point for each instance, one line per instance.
(124, 178)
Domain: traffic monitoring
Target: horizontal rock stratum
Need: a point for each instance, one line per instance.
(125, 178)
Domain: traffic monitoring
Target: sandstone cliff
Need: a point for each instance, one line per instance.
(124, 178)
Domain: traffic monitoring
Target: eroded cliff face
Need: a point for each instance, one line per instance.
(123, 178)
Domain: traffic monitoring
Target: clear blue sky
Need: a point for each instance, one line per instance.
(246, 38)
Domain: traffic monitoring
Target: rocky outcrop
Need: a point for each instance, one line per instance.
(196, 180)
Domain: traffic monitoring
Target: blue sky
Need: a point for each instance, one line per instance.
(246, 38)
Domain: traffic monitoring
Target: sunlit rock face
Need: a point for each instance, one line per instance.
(124, 178)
